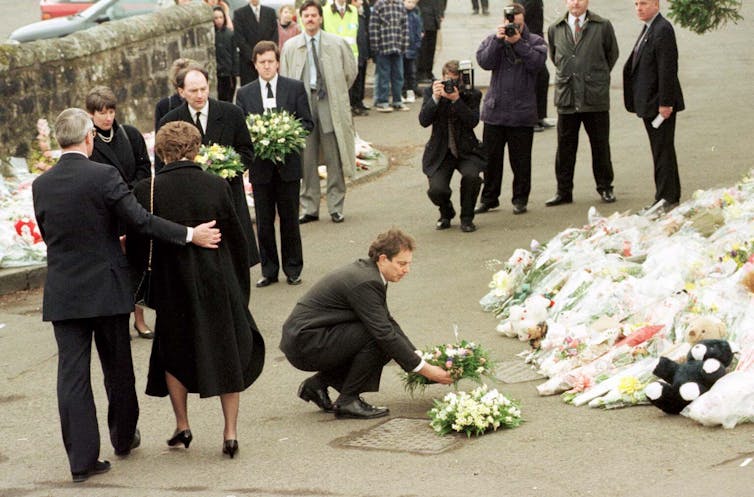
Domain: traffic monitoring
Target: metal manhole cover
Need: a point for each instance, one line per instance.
(516, 372)
(399, 435)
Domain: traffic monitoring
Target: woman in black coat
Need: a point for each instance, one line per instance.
(206, 341)
(226, 54)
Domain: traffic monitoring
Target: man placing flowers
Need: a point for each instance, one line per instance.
(342, 329)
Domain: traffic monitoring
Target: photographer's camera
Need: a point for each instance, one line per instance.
(510, 15)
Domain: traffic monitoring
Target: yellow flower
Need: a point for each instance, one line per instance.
(629, 385)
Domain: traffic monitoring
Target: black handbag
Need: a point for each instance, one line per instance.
(143, 295)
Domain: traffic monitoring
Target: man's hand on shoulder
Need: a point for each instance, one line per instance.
(205, 235)
(436, 374)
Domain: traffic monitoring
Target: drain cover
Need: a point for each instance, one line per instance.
(516, 372)
(399, 435)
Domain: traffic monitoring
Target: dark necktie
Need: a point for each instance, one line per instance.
(577, 29)
(269, 91)
(452, 144)
(321, 93)
(637, 47)
(198, 123)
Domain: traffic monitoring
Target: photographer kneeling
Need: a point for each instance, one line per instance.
(452, 110)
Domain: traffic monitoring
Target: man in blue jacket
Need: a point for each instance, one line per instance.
(509, 110)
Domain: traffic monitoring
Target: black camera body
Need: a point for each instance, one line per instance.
(449, 85)
(510, 15)
(465, 78)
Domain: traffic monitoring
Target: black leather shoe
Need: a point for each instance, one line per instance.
(607, 196)
(482, 208)
(134, 445)
(442, 224)
(468, 227)
(337, 217)
(359, 409)
(519, 208)
(265, 281)
(99, 468)
(181, 437)
(293, 280)
(317, 395)
(559, 199)
(307, 218)
(538, 128)
(230, 447)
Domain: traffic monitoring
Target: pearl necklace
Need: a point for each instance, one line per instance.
(106, 139)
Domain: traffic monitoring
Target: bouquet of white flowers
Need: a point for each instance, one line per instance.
(220, 161)
(276, 134)
(474, 413)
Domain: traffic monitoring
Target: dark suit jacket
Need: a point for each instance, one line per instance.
(133, 161)
(291, 96)
(432, 13)
(352, 293)
(78, 205)
(249, 32)
(465, 116)
(164, 106)
(652, 79)
(534, 16)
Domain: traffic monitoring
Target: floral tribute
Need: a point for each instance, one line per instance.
(220, 161)
(464, 360)
(276, 134)
(474, 413)
(41, 156)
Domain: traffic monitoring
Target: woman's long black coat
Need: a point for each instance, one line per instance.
(205, 335)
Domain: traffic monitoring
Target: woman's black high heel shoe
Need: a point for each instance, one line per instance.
(181, 437)
(230, 447)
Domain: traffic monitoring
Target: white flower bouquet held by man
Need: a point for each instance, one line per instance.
(474, 413)
(276, 134)
(220, 161)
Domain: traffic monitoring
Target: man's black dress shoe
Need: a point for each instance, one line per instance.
(442, 224)
(307, 218)
(265, 281)
(359, 409)
(468, 227)
(559, 199)
(337, 217)
(519, 208)
(99, 468)
(293, 280)
(482, 208)
(134, 445)
(607, 196)
(319, 395)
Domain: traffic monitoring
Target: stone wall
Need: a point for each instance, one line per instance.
(39, 79)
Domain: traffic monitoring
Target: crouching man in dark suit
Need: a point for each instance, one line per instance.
(79, 206)
(452, 145)
(343, 329)
(276, 186)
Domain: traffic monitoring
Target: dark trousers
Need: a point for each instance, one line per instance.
(349, 359)
(356, 92)
(283, 197)
(475, 5)
(597, 126)
(409, 76)
(78, 414)
(542, 85)
(519, 140)
(662, 142)
(226, 88)
(439, 191)
(426, 59)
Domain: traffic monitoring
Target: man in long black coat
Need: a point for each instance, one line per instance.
(276, 185)
(433, 12)
(252, 24)
(222, 123)
(651, 89)
(79, 205)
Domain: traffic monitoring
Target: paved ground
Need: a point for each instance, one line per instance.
(289, 449)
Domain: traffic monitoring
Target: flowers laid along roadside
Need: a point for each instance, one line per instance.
(475, 413)
(220, 161)
(276, 134)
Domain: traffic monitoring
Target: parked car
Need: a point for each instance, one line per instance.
(97, 13)
(62, 8)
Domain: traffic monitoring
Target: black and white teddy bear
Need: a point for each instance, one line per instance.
(683, 383)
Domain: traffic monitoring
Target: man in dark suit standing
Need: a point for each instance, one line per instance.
(218, 122)
(343, 329)
(79, 205)
(433, 12)
(452, 145)
(651, 90)
(276, 186)
(252, 24)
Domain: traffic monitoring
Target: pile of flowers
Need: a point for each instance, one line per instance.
(475, 413)
(20, 240)
(222, 161)
(276, 134)
(464, 360)
(622, 290)
(42, 154)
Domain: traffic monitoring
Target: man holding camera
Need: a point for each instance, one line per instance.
(509, 111)
(451, 107)
(584, 50)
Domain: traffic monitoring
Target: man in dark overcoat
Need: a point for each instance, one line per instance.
(253, 23)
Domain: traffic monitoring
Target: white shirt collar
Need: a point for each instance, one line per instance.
(204, 110)
(572, 20)
(263, 87)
